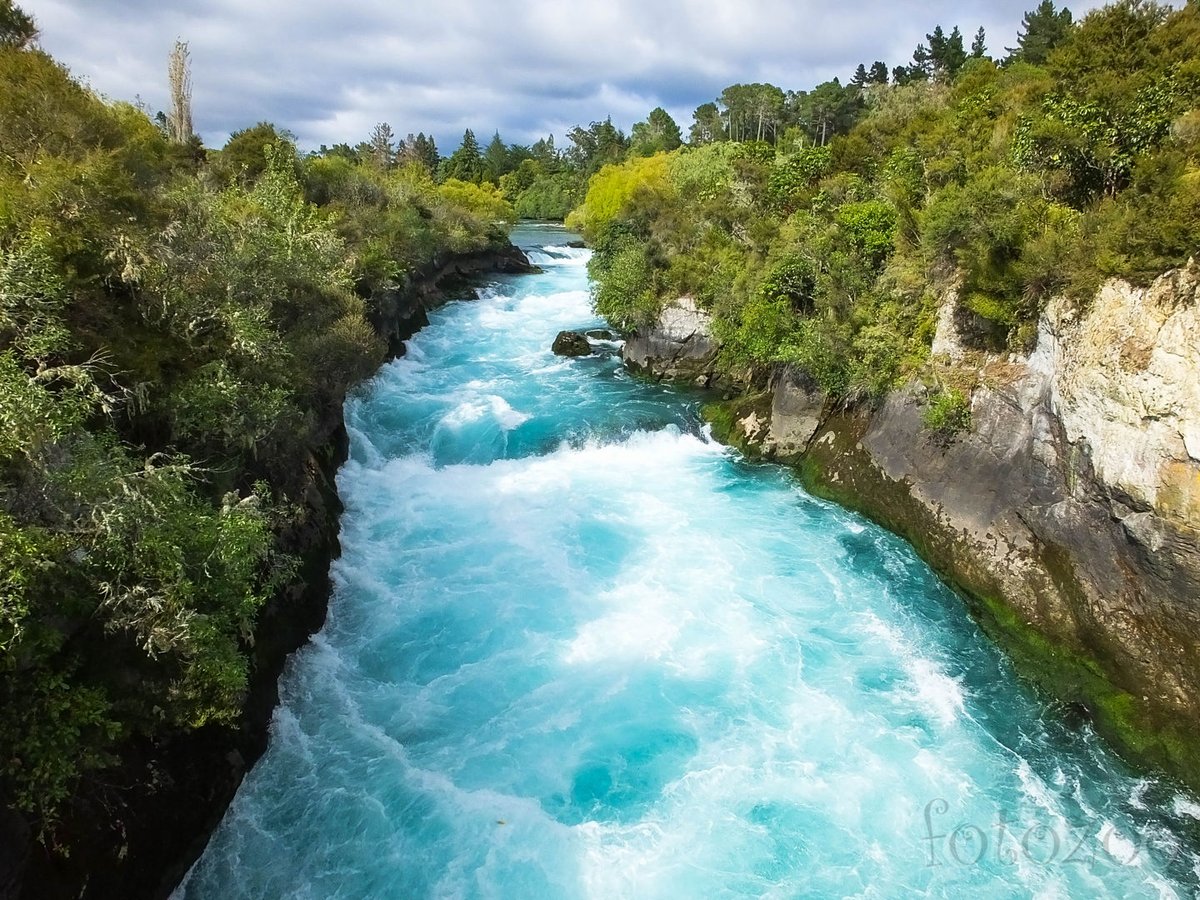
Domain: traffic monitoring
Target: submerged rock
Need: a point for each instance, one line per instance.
(600, 334)
(571, 343)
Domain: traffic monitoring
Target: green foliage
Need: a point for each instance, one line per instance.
(621, 267)
(948, 413)
(869, 225)
(549, 197)
(822, 228)
(243, 158)
(611, 190)
(465, 163)
(658, 134)
(158, 308)
(17, 29)
(1042, 30)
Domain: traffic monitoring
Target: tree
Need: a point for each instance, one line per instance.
(878, 73)
(658, 133)
(860, 76)
(465, 163)
(753, 112)
(179, 73)
(1042, 30)
(598, 145)
(922, 64)
(545, 154)
(496, 160)
(243, 158)
(937, 45)
(17, 28)
(978, 46)
(954, 56)
(826, 110)
(382, 146)
(706, 125)
(946, 54)
(419, 149)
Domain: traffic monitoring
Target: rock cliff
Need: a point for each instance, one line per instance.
(1068, 512)
(678, 347)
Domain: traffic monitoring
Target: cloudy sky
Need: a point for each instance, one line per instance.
(328, 71)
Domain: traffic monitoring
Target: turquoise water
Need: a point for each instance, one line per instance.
(578, 650)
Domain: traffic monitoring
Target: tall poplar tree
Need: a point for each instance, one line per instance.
(179, 73)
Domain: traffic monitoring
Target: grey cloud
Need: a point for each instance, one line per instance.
(328, 72)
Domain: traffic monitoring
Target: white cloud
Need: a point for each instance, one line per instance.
(328, 72)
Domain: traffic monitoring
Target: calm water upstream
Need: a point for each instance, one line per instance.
(578, 650)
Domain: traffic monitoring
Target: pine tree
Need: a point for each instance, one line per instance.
(496, 160)
(879, 72)
(860, 76)
(922, 64)
(382, 147)
(978, 46)
(954, 55)
(1042, 30)
(465, 163)
(937, 46)
(706, 125)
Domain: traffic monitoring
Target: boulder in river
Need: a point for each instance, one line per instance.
(571, 343)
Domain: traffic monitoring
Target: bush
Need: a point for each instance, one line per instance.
(948, 413)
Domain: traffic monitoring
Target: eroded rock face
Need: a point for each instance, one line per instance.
(679, 347)
(1126, 381)
(797, 408)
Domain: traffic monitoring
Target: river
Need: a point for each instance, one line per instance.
(578, 650)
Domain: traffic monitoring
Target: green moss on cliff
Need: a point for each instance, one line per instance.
(724, 416)
(835, 468)
(1077, 677)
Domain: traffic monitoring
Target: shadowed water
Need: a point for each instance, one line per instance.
(576, 649)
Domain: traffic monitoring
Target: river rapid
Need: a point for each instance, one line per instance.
(576, 649)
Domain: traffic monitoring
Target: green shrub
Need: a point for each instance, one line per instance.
(948, 413)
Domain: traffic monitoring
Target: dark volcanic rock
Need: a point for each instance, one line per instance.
(399, 313)
(600, 334)
(571, 343)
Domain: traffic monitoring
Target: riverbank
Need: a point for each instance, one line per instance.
(168, 796)
(1061, 497)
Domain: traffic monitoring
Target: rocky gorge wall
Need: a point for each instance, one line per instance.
(1067, 513)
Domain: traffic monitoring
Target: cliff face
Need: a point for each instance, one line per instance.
(137, 835)
(1069, 511)
(679, 347)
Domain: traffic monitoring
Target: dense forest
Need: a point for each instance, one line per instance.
(822, 228)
